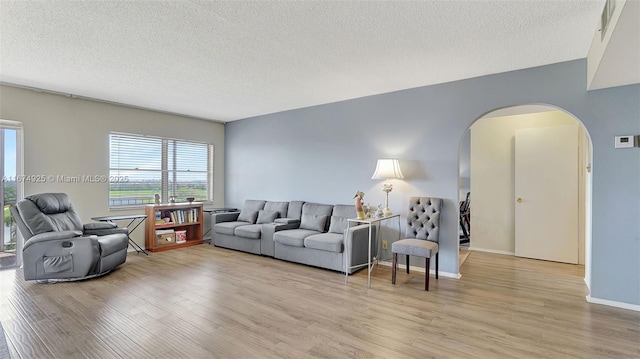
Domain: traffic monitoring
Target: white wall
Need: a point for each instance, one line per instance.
(492, 176)
(70, 137)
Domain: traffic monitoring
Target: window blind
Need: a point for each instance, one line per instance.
(141, 166)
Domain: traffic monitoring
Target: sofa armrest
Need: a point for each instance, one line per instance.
(357, 240)
(224, 217)
(267, 245)
(269, 229)
(287, 221)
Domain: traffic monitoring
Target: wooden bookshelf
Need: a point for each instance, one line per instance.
(183, 217)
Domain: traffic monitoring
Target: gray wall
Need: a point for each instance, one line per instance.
(326, 153)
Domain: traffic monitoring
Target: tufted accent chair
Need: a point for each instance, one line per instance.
(422, 235)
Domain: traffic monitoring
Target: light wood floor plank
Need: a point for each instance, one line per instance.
(208, 302)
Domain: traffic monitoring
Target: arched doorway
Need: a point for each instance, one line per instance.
(489, 143)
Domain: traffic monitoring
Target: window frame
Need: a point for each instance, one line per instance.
(167, 188)
(18, 127)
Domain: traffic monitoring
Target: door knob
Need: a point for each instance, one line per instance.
(519, 200)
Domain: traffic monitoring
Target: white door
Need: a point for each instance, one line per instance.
(546, 193)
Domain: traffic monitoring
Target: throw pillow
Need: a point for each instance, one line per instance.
(267, 216)
(248, 216)
(338, 225)
(313, 222)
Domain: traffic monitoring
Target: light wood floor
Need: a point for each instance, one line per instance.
(207, 302)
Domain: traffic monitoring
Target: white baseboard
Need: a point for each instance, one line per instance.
(492, 251)
(612, 303)
(421, 270)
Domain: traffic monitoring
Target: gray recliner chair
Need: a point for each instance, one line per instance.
(59, 247)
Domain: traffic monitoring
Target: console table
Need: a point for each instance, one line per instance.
(370, 263)
(139, 218)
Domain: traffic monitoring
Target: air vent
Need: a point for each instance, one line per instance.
(605, 18)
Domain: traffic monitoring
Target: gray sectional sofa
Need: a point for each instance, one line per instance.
(308, 233)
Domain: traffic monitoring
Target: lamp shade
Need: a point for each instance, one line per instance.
(387, 168)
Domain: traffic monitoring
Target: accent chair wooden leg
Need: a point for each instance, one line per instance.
(394, 265)
(407, 262)
(437, 265)
(426, 274)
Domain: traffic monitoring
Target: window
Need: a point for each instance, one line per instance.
(142, 166)
(11, 189)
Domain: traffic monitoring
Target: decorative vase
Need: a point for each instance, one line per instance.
(359, 211)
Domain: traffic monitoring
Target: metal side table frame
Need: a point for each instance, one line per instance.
(371, 261)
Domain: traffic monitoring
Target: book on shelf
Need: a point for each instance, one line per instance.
(180, 216)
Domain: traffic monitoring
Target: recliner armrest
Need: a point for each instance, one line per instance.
(51, 236)
(103, 229)
(98, 225)
(110, 244)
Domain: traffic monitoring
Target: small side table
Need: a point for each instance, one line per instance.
(139, 218)
(370, 222)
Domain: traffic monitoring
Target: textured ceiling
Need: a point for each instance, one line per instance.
(235, 59)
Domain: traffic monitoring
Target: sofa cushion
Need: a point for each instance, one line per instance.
(265, 216)
(415, 247)
(280, 207)
(252, 231)
(331, 242)
(338, 225)
(339, 217)
(248, 215)
(293, 237)
(294, 210)
(228, 227)
(249, 212)
(313, 222)
(253, 204)
(317, 208)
